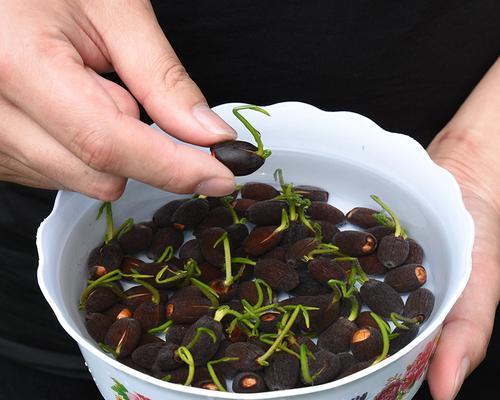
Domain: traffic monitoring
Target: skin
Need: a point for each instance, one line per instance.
(81, 132)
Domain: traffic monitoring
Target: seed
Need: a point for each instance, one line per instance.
(308, 286)
(132, 364)
(319, 320)
(246, 354)
(119, 311)
(167, 358)
(366, 343)
(123, 336)
(242, 205)
(381, 298)
(249, 382)
(419, 304)
(214, 255)
(239, 156)
(191, 249)
(208, 384)
(415, 254)
(137, 239)
(108, 256)
(324, 367)
(261, 240)
(100, 299)
(269, 322)
(393, 251)
(365, 319)
(217, 217)
(404, 337)
(128, 264)
(323, 269)
(237, 234)
(355, 243)
(282, 372)
(380, 231)
(146, 354)
(312, 193)
(372, 265)
(164, 237)
(97, 325)
(188, 291)
(225, 292)
(337, 338)
(277, 274)
(258, 191)
(205, 348)
(362, 217)
(163, 216)
(267, 212)
(150, 315)
(190, 213)
(295, 232)
(186, 310)
(296, 252)
(328, 230)
(217, 201)
(355, 368)
(407, 277)
(248, 291)
(347, 360)
(148, 338)
(139, 294)
(176, 332)
(346, 304)
(223, 370)
(295, 342)
(278, 253)
(325, 212)
(209, 272)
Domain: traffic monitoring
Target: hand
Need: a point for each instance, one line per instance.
(467, 329)
(64, 126)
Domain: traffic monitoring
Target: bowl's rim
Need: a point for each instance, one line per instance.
(429, 329)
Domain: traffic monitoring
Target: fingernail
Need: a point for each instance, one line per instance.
(216, 187)
(460, 376)
(212, 122)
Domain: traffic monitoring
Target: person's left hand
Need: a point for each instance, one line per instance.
(467, 329)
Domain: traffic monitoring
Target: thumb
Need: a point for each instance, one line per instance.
(144, 59)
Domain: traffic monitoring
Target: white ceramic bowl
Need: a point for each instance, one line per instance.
(351, 157)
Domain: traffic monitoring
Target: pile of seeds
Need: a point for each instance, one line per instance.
(259, 290)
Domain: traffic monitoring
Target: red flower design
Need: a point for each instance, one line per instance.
(417, 368)
(137, 396)
(390, 391)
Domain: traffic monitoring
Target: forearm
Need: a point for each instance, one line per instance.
(469, 144)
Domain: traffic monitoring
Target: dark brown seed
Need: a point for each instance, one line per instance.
(214, 255)
(108, 256)
(380, 231)
(118, 311)
(362, 217)
(393, 251)
(407, 277)
(282, 372)
(346, 304)
(355, 368)
(241, 206)
(225, 293)
(175, 333)
(237, 234)
(150, 315)
(208, 384)
(167, 358)
(97, 325)
(100, 299)
(223, 370)
(217, 217)
(326, 212)
(323, 269)
(258, 191)
(347, 360)
(365, 319)
(419, 304)
(278, 253)
(319, 320)
(132, 364)
(355, 243)
(295, 232)
(146, 354)
(415, 254)
(296, 252)
(129, 264)
(188, 291)
(147, 338)
(328, 230)
(246, 354)
(295, 342)
(123, 336)
(248, 291)
(239, 156)
(191, 249)
(312, 193)
(190, 213)
(209, 272)
(187, 310)
(366, 343)
(308, 286)
(372, 265)
(324, 367)
(139, 294)
(164, 237)
(163, 216)
(268, 212)
(137, 239)
(269, 322)
(205, 348)
(337, 338)
(381, 298)
(261, 240)
(277, 274)
(404, 337)
(249, 382)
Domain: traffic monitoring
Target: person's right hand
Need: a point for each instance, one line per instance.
(64, 126)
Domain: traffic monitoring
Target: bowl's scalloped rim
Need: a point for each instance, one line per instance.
(446, 176)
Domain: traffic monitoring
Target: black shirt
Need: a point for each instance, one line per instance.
(408, 65)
